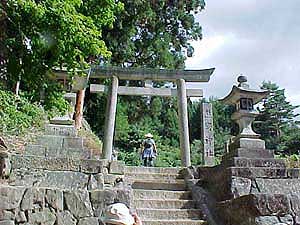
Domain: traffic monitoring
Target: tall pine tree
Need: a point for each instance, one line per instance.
(276, 116)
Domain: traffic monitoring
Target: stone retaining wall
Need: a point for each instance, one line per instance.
(57, 181)
(247, 191)
(48, 206)
(61, 191)
(227, 183)
(64, 173)
(262, 209)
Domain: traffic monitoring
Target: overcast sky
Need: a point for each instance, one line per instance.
(256, 38)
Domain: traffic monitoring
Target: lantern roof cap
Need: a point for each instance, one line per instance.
(243, 91)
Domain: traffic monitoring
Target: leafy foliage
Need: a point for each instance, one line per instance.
(39, 35)
(276, 116)
(154, 33)
(290, 140)
(43, 34)
(168, 156)
(17, 113)
(52, 97)
(196, 152)
(224, 127)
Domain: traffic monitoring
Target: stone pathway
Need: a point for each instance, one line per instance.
(161, 197)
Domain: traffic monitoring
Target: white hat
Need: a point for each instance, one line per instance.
(118, 213)
(149, 135)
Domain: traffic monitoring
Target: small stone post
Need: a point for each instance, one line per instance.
(110, 117)
(207, 134)
(183, 123)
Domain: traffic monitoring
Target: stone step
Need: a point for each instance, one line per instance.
(54, 141)
(37, 150)
(33, 163)
(61, 130)
(139, 169)
(174, 222)
(74, 153)
(161, 194)
(154, 176)
(176, 185)
(169, 214)
(164, 204)
(40, 150)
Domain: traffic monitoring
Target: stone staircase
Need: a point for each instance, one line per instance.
(160, 196)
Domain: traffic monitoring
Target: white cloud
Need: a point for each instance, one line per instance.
(256, 38)
(205, 49)
(293, 98)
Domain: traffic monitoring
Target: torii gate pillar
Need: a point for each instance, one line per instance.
(183, 123)
(111, 108)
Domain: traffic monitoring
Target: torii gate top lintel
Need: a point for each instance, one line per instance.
(132, 73)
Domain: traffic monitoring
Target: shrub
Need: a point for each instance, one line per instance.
(17, 113)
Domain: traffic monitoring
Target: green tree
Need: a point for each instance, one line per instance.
(17, 114)
(122, 126)
(169, 118)
(224, 127)
(95, 112)
(194, 110)
(154, 33)
(290, 140)
(196, 152)
(276, 115)
(222, 124)
(156, 108)
(47, 33)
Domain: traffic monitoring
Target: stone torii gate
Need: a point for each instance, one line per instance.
(178, 76)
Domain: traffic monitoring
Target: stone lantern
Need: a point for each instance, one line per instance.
(244, 99)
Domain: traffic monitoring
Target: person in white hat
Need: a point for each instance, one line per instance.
(149, 151)
(118, 213)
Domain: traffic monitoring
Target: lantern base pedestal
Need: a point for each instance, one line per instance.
(249, 153)
(253, 136)
(248, 143)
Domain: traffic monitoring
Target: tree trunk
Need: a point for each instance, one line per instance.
(78, 115)
(17, 88)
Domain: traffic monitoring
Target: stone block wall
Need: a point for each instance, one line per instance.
(59, 159)
(262, 209)
(64, 173)
(55, 181)
(249, 187)
(45, 190)
(49, 206)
